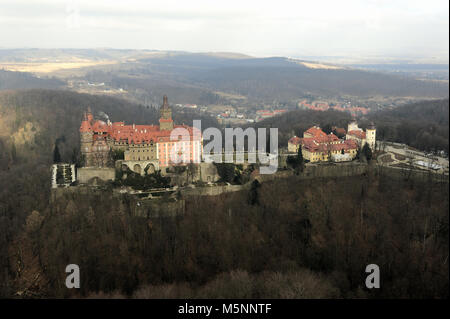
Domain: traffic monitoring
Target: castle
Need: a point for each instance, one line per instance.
(357, 134)
(317, 146)
(145, 147)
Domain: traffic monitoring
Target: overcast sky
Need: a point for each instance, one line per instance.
(262, 28)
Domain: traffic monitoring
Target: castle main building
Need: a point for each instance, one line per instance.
(145, 146)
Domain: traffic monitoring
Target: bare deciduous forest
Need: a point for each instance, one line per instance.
(302, 239)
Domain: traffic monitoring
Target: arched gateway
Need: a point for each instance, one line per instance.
(141, 167)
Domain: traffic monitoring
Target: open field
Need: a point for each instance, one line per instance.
(312, 65)
(49, 67)
(230, 95)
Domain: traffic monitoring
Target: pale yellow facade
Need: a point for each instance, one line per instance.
(371, 137)
(141, 152)
(315, 157)
(293, 148)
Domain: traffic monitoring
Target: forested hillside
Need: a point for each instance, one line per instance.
(295, 239)
(23, 80)
(197, 78)
(280, 78)
(423, 125)
(211, 78)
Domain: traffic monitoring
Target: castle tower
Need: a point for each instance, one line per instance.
(352, 126)
(165, 121)
(371, 132)
(88, 115)
(86, 138)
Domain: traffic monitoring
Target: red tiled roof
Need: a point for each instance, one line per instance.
(340, 130)
(295, 140)
(332, 137)
(320, 139)
(100, 126)
(315, 131)
(136, 134)
(85, 126)
(359, 134)
(325, 143)
(351, 144)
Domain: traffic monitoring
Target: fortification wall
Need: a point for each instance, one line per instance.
(74, 192)
(213, 190)
(310, 171)
(320, 171)
(422, 175)
(205, 172)
(334, 170)
(84, 174)
(208, 172)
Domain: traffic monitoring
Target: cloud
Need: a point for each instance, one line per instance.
(256, 27)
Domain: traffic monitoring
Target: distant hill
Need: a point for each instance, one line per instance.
(22, 80)
(280, 78)
(424, 71)
(262, 80)
(215, 77)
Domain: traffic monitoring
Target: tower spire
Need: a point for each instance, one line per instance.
(165, 102)
(165, 121)
(88, 114)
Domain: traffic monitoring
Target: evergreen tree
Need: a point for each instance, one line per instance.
(297, 162)
(300, 161)
(253, 193)
(226, 171)
(13, 153)
(327, 128)
(367, 151)
(56, 155)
